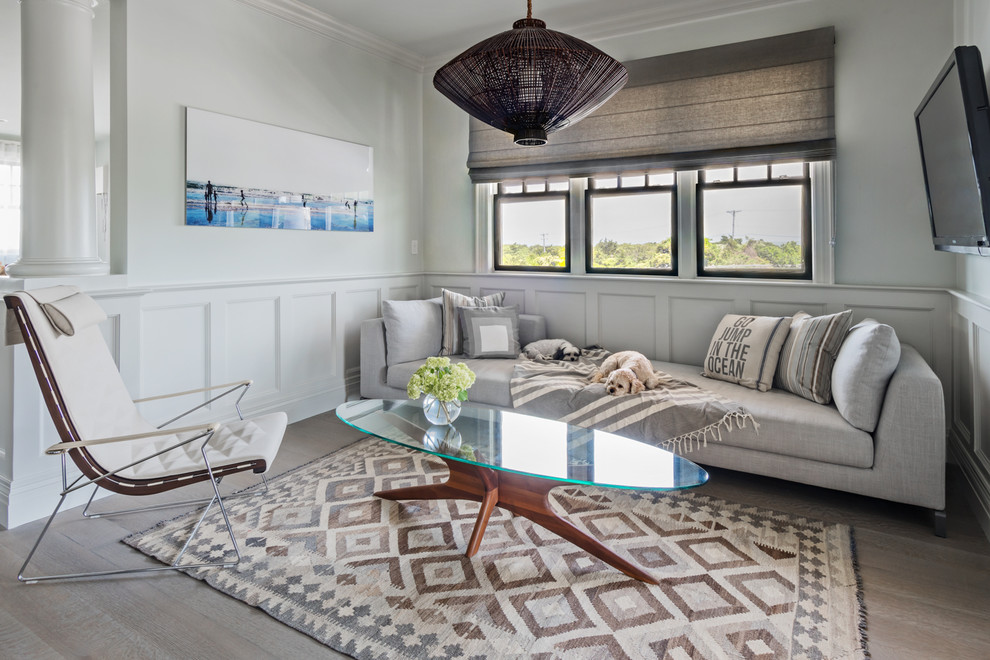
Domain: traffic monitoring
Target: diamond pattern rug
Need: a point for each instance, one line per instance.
(380, 579)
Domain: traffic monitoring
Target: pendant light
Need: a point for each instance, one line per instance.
(530, 81)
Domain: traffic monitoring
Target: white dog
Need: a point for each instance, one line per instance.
(552, 349)
(628, 372)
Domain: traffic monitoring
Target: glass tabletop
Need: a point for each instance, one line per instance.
(515, 442)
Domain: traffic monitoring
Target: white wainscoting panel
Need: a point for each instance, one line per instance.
(915, 326)
(358, 305)
(175, 356)
(409, 292)
(692, 323)
(565, 313)
(111, 335)
(981, 367)
(773, 308)
(251, 345)
(962, 378)
(310, 356)
(627, 323)
(970, 406)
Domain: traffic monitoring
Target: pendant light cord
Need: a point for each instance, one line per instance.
(529, 9)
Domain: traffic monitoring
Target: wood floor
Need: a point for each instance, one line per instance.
(926, 597)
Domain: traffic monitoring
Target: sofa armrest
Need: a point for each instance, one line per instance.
(373, 366)
(532, 327)
(909, 442)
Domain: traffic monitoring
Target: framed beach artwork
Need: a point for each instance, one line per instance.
(242, 173)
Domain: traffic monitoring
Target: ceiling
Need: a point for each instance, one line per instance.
(440, 29)
(425, 31)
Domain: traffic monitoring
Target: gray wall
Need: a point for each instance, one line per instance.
(225, 57)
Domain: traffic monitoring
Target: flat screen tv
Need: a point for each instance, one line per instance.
(953, 123)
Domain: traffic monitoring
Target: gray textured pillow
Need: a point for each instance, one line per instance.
(866, 361)
(412, 329)
(452, 342)
(490, 332)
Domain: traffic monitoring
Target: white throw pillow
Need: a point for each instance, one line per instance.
(866, 361)
(744, 350)
(412, 329)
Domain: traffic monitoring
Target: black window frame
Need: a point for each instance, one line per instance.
(807, 236)
(499, 197)
(592, 192)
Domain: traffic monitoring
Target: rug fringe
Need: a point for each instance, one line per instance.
(686, 442)
(860, 598)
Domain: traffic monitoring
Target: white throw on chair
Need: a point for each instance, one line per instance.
(104, 433)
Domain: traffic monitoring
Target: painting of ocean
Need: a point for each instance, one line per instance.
(216, 205)
(243, 173)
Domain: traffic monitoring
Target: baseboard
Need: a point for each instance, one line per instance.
(978, 493)
(4, 500)
(35, 496)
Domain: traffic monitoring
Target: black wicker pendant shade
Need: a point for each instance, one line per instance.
(530, 81)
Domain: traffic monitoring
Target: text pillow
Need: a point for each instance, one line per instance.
(490, 332)
(744, 350)
(452, 343)
(412, 329)
(805, 365)
(866, 361)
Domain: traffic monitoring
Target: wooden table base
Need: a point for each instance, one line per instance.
(524, 495)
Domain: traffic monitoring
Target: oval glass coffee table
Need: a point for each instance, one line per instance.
(512, 461)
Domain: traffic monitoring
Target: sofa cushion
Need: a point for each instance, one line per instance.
(412, 329)
(491, 385)
(744, 349)
(805, 365)
(452, 341)
(866, 361)
(490, 332)
(789, 425)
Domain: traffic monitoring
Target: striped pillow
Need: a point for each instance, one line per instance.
(806, 361)
(453, 344)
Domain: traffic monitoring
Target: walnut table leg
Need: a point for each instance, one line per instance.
(524, 495)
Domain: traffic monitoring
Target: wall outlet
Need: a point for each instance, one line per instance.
(414, 247)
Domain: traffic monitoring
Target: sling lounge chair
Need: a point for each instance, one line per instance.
(103, 432)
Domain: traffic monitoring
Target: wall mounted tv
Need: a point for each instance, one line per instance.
(953, 123)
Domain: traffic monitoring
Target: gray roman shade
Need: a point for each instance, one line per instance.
(730, 104)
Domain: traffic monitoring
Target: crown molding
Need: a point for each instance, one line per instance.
(307, 18)
(674, 13)
(664, 15)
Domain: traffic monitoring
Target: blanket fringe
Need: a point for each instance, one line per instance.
(688, 441)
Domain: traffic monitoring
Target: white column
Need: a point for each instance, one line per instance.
(58, 219)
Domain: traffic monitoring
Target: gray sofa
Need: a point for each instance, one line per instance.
(903, 460)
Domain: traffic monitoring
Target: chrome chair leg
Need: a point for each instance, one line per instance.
(174, 566)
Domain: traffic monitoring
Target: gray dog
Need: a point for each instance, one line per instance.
(552, 349)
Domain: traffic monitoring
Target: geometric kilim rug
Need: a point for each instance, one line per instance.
(380, 579)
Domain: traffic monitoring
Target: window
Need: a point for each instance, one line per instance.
(10, 201)
(755, 221)
(531, 226)
(771, 220)
(630, 224)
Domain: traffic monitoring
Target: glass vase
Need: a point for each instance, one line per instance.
(440, 412)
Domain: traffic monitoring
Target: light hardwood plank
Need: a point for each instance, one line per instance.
(926, 597)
